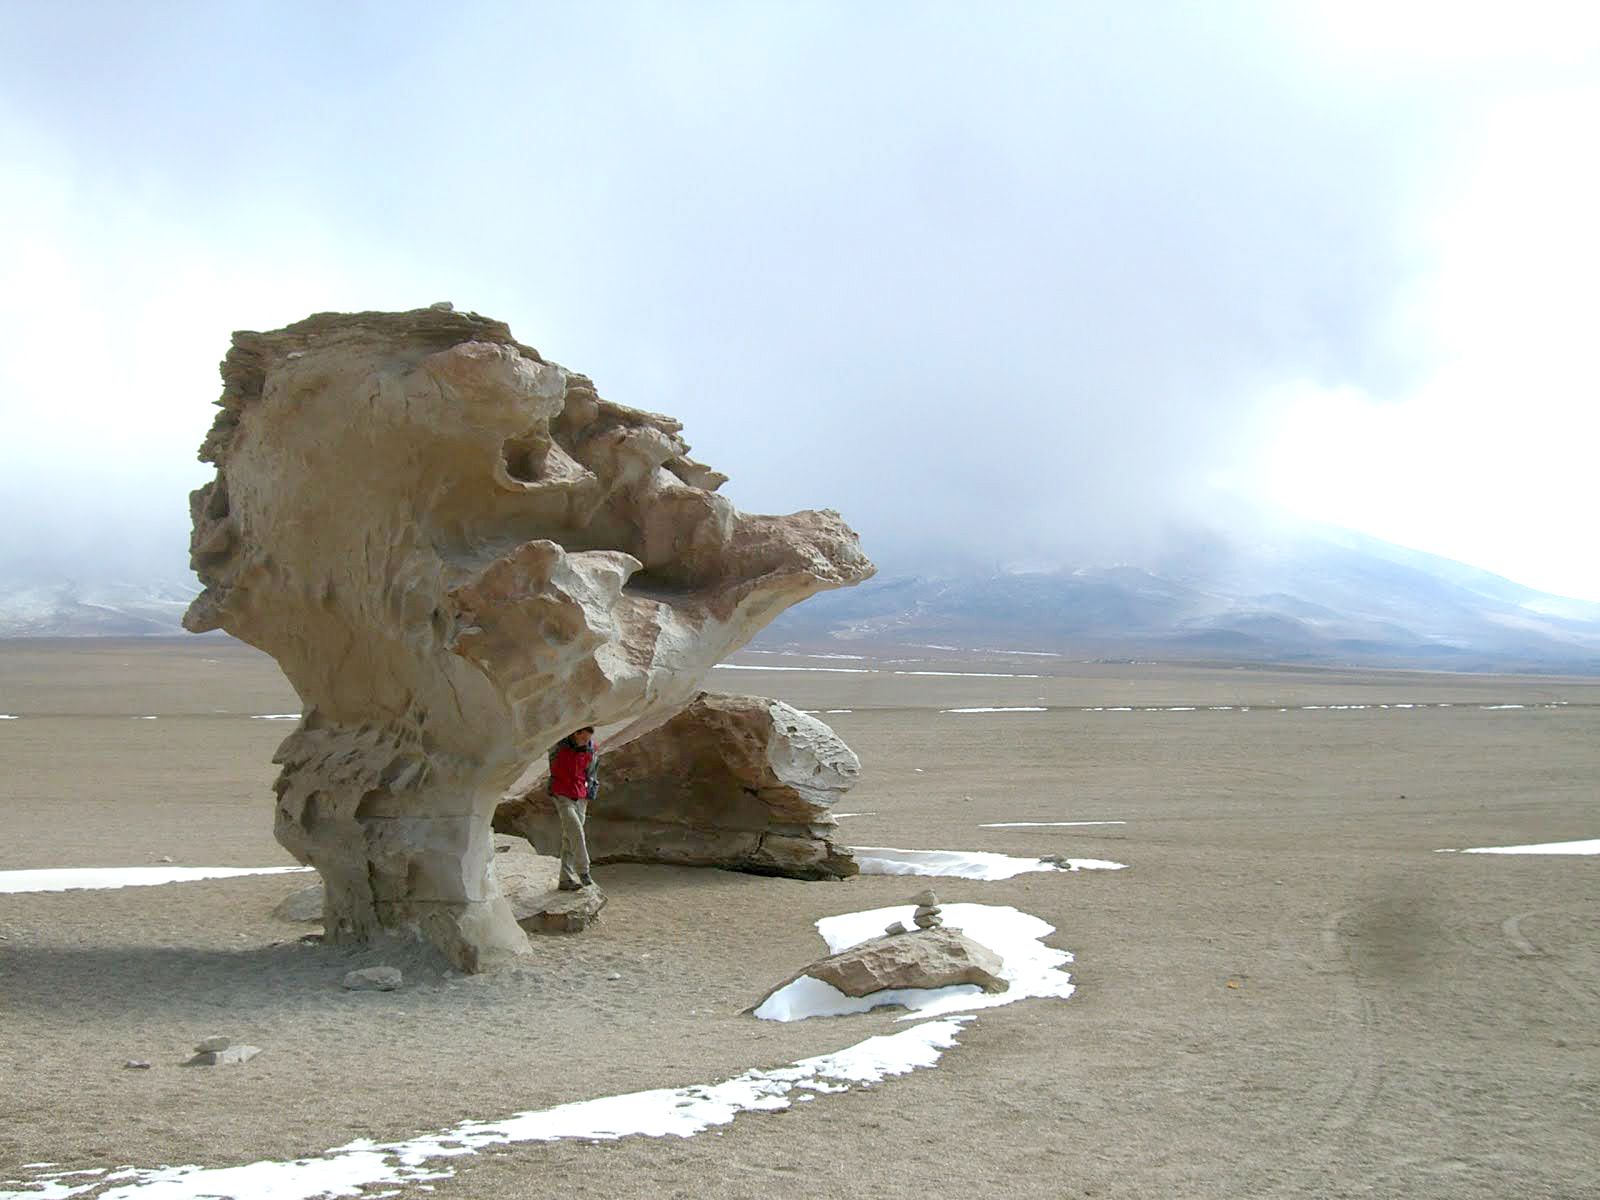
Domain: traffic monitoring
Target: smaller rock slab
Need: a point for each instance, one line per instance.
(373, 979)
(230, 1057)
(926, 958)
(301, 907)
(556, 911)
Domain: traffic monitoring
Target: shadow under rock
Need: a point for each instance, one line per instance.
(175, 980)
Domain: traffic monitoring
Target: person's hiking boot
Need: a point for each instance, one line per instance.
(566, 885)
(585, 881)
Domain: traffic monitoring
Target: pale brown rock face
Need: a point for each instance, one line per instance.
(927, 958)
(458, 553)
(740, 782)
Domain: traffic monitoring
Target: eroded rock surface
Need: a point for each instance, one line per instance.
(925, 958)
(555, 911)
(458, 552)
(740, 782)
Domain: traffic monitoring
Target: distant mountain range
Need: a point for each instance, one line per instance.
(1321, 597)
(65, 608)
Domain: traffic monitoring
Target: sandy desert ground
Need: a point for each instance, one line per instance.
(1287, 993)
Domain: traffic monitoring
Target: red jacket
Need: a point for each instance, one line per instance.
(574, 770)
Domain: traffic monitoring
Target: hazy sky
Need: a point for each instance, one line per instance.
(1013, 282)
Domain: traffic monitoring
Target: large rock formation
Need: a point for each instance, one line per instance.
(740, 782)
(458, 552)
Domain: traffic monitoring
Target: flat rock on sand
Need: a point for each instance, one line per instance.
(373, 979)
(555, 911)
(303, 906)
(929, 958)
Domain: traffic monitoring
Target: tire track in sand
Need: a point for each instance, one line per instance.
(1554, 969)
(1353, 1101)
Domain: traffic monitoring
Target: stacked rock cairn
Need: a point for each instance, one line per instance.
(926, 916)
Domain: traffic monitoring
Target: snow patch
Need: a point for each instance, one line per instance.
(963, 864)
(664, 1112)
(1043, 824)
(760, 667)
(970, 674)
(1591, 846)
(1020, 708)
(1029, 968)
(276, 717)
(68, 879)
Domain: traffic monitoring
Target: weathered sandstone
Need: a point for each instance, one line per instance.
(740, 782)
(929, 958)
(458, 552)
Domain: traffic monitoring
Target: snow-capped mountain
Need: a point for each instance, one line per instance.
(1317, 597)
(1323, 597)
(65, 608)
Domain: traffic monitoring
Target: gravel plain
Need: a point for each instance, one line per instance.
(1289, 992)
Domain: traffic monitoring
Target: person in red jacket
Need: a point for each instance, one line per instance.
(574, 781)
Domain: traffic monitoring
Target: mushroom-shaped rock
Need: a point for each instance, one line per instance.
(739, 782)
(458, 553)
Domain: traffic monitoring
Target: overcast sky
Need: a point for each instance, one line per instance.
(1019, 283)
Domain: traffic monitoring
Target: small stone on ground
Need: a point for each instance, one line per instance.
(231, 1057)
(373, 979)
(556, 911)
(303, 905)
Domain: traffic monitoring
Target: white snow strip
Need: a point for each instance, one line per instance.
(665, 1112)
(860, 814)
(760, 667)
(145, 718)
(7, 717)
(798, 654)
(1589, 847)
(962, 864)
(876, 671)
(51, 1187)
(1495, 706)
(1021, 708)
(970, 674)
(67, 879)
(1043, 824)
(828, 712)
(1028, 967)
(276, 717)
